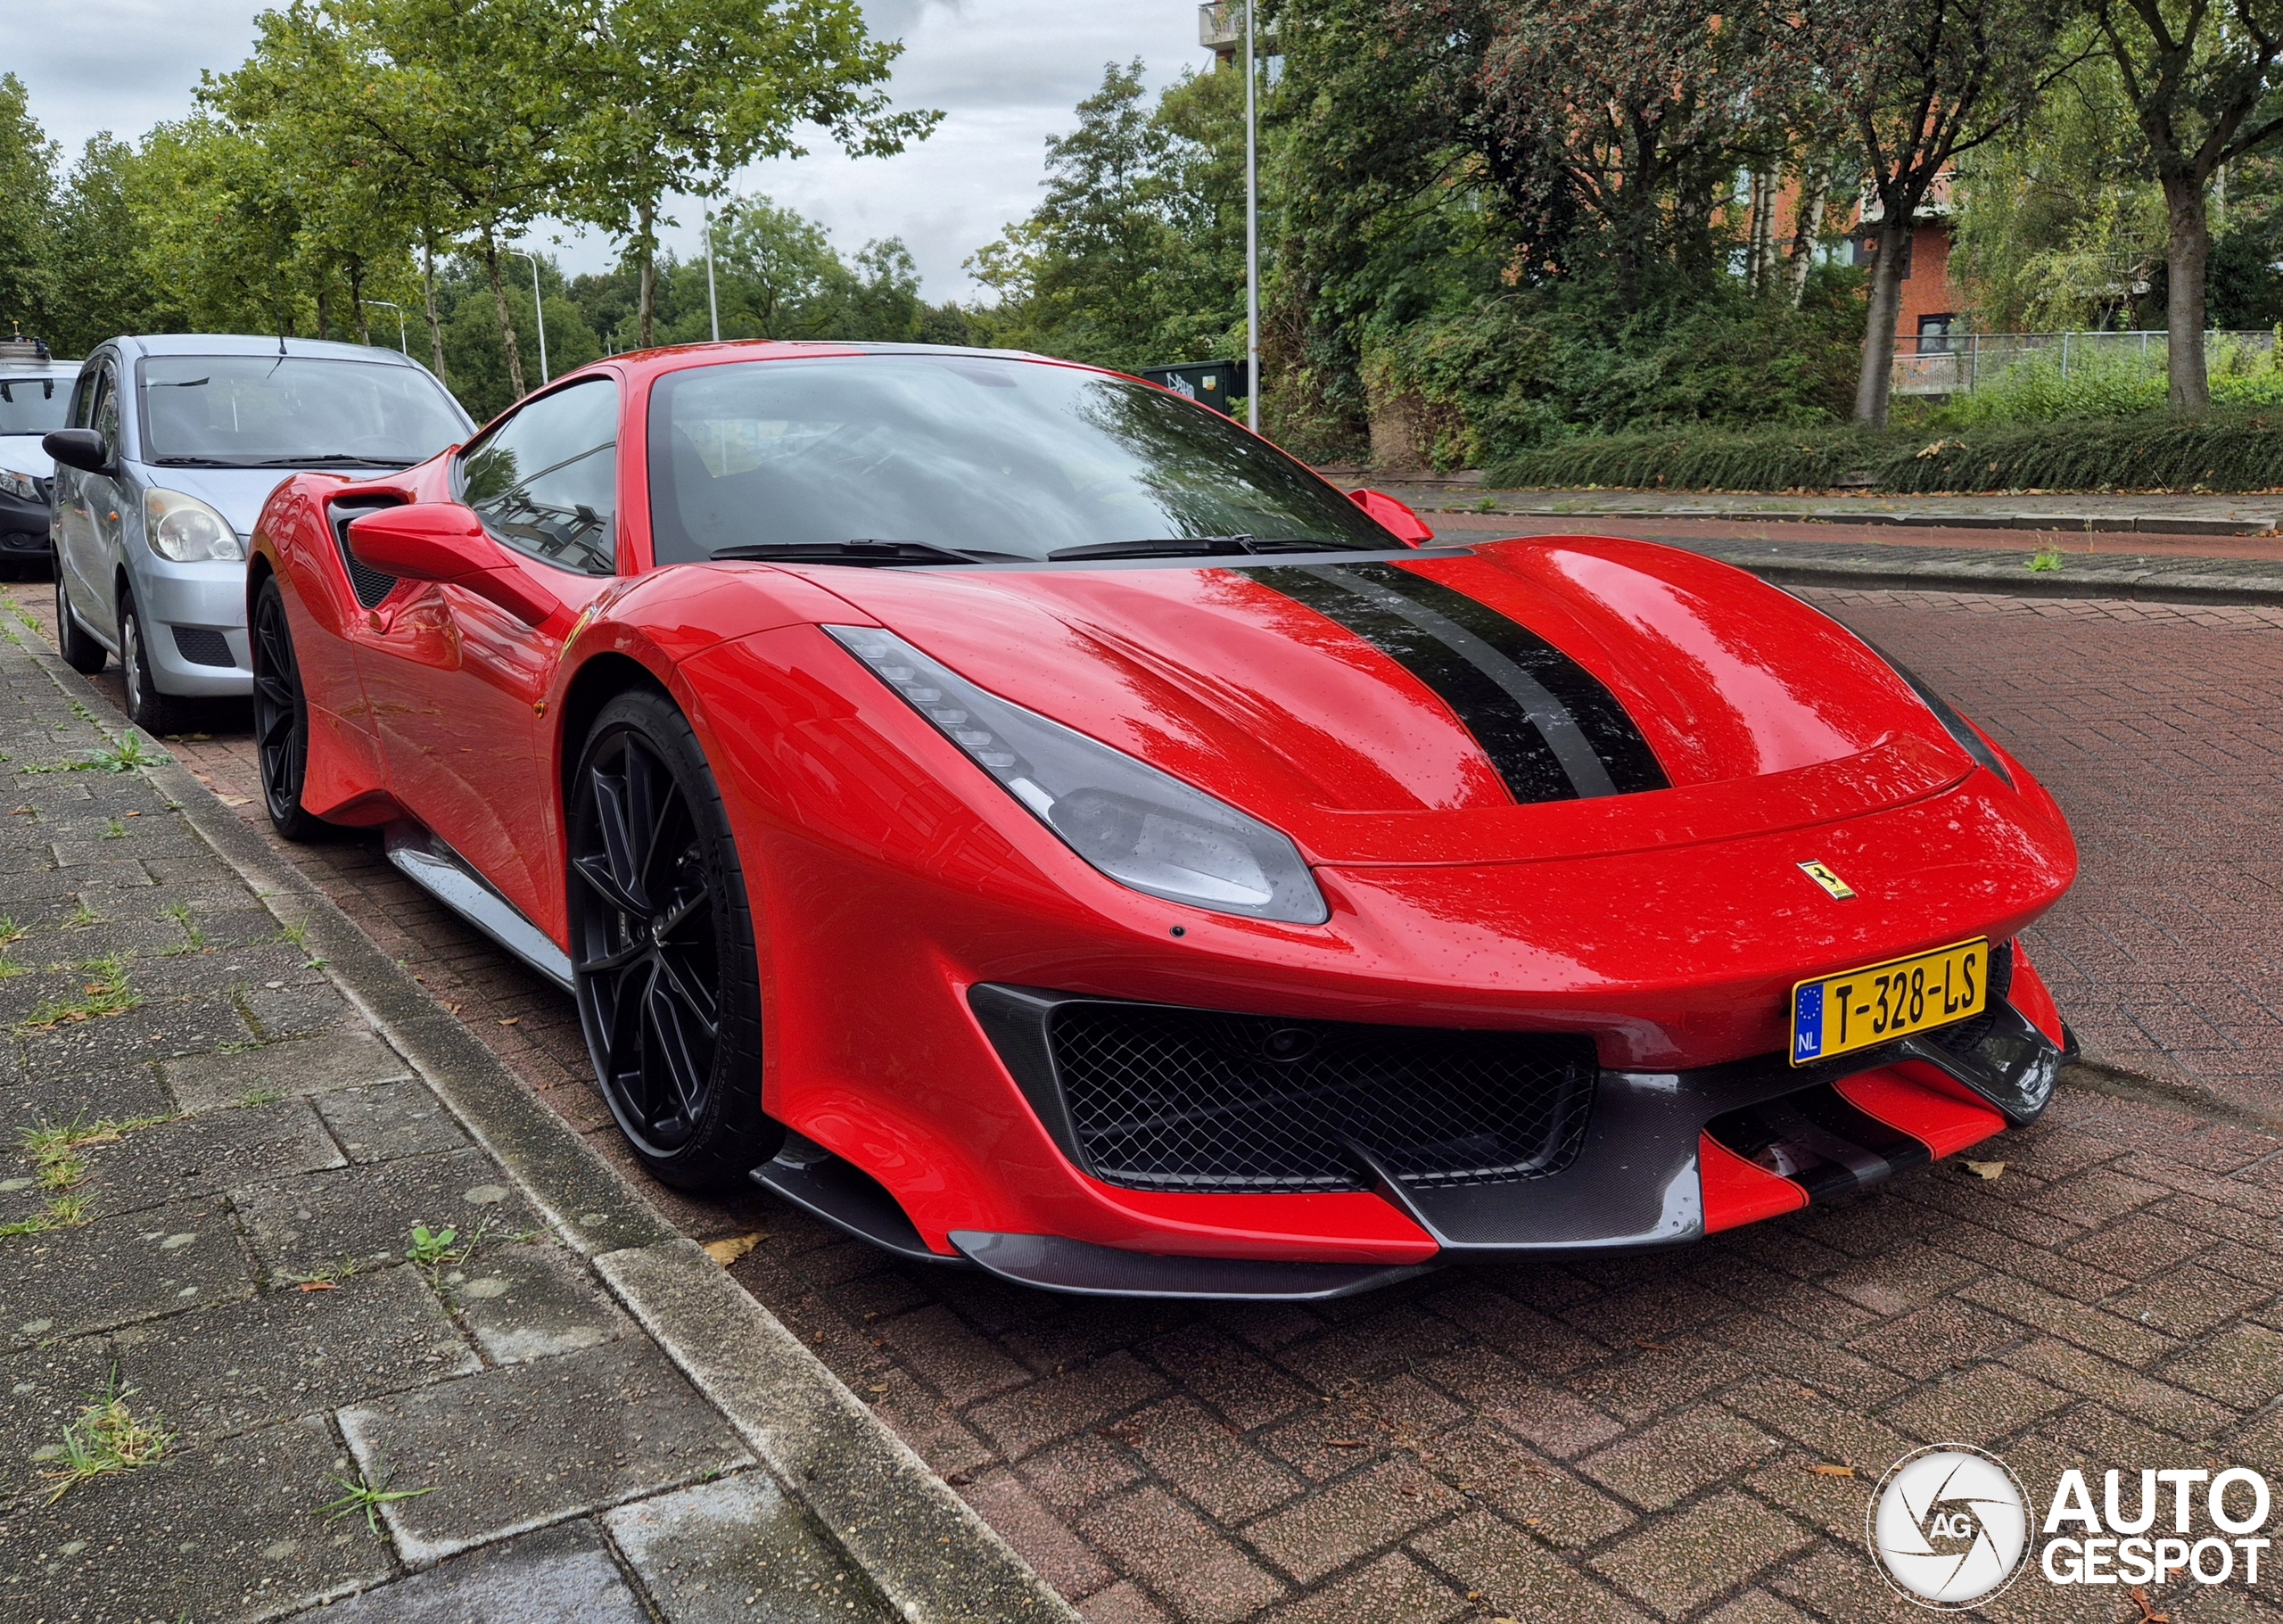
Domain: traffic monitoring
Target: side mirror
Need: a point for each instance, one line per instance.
(1409, 528)
(81, 448)
(443, 541)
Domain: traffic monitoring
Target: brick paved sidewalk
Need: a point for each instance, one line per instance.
(1638, 1438)
(275, 1331)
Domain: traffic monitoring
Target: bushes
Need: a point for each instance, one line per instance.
(1516, 372)
(2239, 450)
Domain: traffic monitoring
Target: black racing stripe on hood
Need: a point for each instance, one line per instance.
(1552, 731)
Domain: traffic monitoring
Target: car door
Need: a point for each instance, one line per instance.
(88, 505)
(455, 681)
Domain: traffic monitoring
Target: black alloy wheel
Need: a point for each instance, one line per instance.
(662, 946)
(146, 707)
(281, 718)
(80, 652)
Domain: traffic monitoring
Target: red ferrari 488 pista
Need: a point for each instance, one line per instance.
(1012, 812)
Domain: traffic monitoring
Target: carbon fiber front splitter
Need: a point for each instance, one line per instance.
(1635, 1185)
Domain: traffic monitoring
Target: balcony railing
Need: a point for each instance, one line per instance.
(1221, 27)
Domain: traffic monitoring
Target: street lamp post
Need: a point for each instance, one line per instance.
(539, 312)
(712, 300)
(1252, 232)
(391, 305)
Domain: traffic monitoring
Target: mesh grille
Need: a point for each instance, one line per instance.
(368, 584)
(203, 645)
(1167, 1099)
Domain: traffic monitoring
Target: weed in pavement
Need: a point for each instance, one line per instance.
(82, 917)
(193, 937)
(65, 1211)
(116, 829)
(106, 993)
(365, 1496)
(2048, 559)
(108, 1437)
(10, 933)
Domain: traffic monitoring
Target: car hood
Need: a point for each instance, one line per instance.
(23, 454)
(1412, 709)
(236, 494)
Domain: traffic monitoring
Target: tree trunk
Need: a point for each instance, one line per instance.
(357, 297)
(1760, 260)
(428, 306)
(2185, 251)
(1807, 229)
(324, 316)
(1875, 383)
(647, 278)
(507, 323)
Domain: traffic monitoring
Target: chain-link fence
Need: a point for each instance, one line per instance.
(1961, 363)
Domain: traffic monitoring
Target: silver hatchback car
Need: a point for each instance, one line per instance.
(174, 444)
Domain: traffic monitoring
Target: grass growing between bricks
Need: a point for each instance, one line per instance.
(108, 1437)
(361, 1493)
(105, 993)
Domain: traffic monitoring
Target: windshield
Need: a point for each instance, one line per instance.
(996, 459)
(33, 404)
(279, 411)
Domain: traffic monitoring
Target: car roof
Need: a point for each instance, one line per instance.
(248, 344)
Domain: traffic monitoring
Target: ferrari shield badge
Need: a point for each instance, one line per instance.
(1821, 874)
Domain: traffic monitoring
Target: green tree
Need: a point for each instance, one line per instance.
(1135, 255)
(1923, 82)
(2060, 224)
(683, 92)
(27, 161)
(218, 229)
(103, 285)
(2202, 81)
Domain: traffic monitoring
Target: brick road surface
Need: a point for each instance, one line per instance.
(1640, 1437)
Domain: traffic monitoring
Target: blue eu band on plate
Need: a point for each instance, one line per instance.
(1861, 1009)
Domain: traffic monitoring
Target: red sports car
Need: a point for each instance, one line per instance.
(1012, 812)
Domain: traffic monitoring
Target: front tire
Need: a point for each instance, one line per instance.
(146, 707)
(281, 718)
(662, 950)
(80, 652)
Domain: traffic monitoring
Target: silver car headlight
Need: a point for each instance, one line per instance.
(1144, 829)
(23, 487)
(187, 531)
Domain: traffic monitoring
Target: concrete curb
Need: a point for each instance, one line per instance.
(2210, 581)
(2140, 523)
(930, 1556)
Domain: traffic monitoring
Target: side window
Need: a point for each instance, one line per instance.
(546, 481)
(103, 417)
(83, 395)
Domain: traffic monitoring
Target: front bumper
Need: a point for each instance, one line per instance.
(1666, 1158)
(195, 620)
(23, 529)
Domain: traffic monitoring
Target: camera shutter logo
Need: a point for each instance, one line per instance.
(1950, 1526)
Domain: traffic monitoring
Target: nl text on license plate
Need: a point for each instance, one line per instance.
(1833, 1015)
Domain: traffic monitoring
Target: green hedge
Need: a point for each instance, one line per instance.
(2230, 450)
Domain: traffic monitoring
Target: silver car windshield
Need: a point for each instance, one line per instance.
(34, 405)
(280, 411)
(953, 457)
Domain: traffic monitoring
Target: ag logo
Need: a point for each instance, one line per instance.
(1948, 1526)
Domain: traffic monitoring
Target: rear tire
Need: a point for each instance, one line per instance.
(281, 718)
(146, 707)
(80, 652)
(662, 950)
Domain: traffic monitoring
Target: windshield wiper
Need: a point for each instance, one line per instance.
(330, 459)
(199, 462)
(852, 552)
(1161, 547)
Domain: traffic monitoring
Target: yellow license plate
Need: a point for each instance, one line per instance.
(1836, 1015)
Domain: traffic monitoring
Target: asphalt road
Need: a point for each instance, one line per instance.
(1641, 1437)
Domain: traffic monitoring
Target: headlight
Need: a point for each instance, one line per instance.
(1144, 829)
(187, 531)
(23, 487)
(1956, 725)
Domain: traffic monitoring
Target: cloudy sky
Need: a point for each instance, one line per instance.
(1006, 73)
